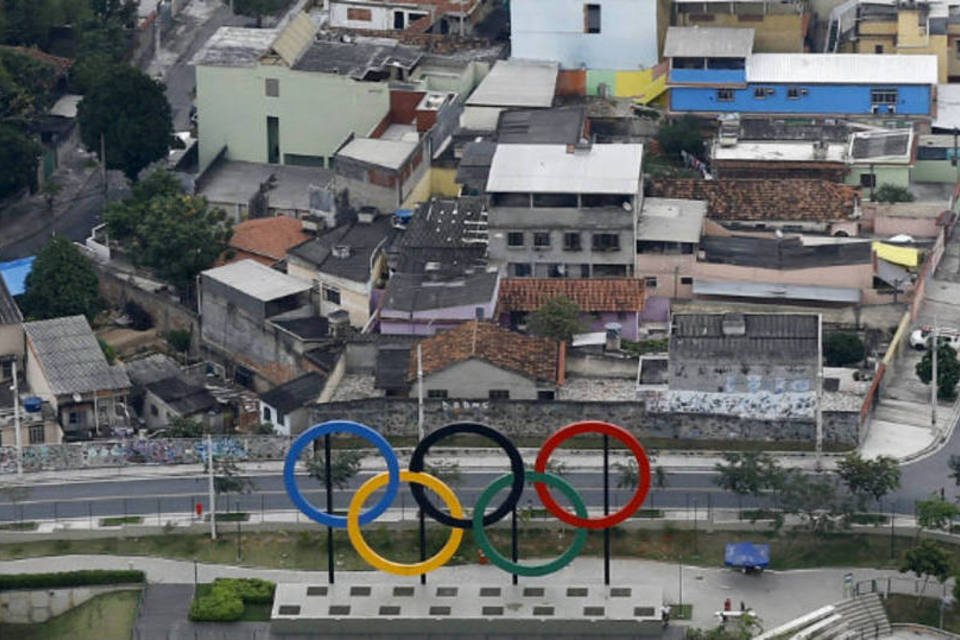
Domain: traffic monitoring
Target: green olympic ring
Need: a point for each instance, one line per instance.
(530, 571)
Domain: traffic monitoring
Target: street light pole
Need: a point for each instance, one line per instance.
(16, 420)
(935, 346)
(213, 495)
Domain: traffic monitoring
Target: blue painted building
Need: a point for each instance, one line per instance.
(713, 70)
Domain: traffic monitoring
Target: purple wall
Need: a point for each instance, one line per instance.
(419, 323)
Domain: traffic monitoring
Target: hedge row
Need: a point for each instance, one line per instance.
(227, 597)
(69, 579)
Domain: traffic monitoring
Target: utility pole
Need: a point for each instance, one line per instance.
(103, 162)
(819, 389)
(419, 393)
(213, 495)
(16, 420)
(935, 346)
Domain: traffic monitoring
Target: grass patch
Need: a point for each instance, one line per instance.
(119, 521)
(107, 617)
(307, 549)
(648, 513)
(229, 516)
(926, 611)
(869, 518)
(644, 347)
(681, 612)
(19, 526)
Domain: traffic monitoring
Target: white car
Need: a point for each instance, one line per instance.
(920, 338)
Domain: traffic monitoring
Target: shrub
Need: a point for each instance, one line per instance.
(681, 135)
(841, 349)
(69, 579)
(250, 590)
(179, 340)
(892, 193)
(140, 318)
(227, 597)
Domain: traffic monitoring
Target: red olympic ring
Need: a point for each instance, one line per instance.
(605, 428)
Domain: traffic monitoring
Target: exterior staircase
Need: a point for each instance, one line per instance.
(860, 618)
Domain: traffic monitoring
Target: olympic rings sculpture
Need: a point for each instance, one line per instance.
(419, 480)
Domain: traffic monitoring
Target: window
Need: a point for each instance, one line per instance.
(546, 395)
(280, 417)
(606, 242)
(499, 394)
(591, 18)
(331, 295)
(650, 282)
(883, 96)
(868, 180)
(520, 269)
(541, 239)
(686, 280)
(437, 394)
(794, 93)
(398, 21)
(75, 417)
(571, 241)
(515, 239)
(153, 410)
(760, 93)
(957, 47)
(6, 370)
(724, 95)
(272, 87)
(36, 435)
(267, 414)
(362, 15)
(878, 48)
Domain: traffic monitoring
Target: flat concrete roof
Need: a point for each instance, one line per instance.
(234, 47)
(785, 151)
(556, 168)
(232, 182)
(517, 83)
(377, 151)
(257, 281)
(671, 220)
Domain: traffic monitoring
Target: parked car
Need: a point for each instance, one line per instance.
(920, 338)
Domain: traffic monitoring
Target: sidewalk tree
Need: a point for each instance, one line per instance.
(19, 156)
(181, 427)
(869, 478)
(131, 112)
(446, 470)
(123, 217)
(558, 318)
(935, 513)
(948, 371)
(227, 478)
(842, 349)
(344, 465)
(62, 283)
(750, 473)
(258, 8)
(927, 560)
(814, 499)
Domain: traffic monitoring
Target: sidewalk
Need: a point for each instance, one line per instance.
(777, 597)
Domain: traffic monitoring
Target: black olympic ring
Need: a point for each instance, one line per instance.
(516, 467)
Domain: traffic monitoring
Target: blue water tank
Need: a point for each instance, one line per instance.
(33, 404)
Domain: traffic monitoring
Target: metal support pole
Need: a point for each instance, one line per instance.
(680, 579)
(419, 393)
(514, 552)
(819, 390)
(893, 515)
(606, 508)
(16, 420)
(239, 534)
(327, 456)
(210, 489)
(423, 543)
(935, 346)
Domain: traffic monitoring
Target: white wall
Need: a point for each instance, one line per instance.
(553, 30)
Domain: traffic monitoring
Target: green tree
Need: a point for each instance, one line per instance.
(62, 283)
(842, 349)
(814, 499)
(123, 217)
(179, 340)
(660, 477)
(682, 134)
(344, 465)
(19, 156)
(181, 427)
(892, 193)
(749, 473)
(948, 371)
(927, 560)
(629, 475)
(108, 351)
(227, 478)
(131, 112)
(558, 318)
(258, 8)
(446, 470)
(935, 513)
(869, 478)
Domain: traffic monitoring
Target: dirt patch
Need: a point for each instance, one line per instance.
(129, 341)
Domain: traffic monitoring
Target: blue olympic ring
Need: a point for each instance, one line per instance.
(355, 429)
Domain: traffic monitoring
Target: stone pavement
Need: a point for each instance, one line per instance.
(776, 596)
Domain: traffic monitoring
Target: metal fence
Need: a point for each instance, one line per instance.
(905, 586)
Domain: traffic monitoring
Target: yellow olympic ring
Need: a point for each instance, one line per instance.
(398, 568)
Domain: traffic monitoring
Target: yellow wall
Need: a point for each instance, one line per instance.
(905, 37)
(420, 193)
(773, 34)
(442, 182)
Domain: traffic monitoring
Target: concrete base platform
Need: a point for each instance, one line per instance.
(414, 610)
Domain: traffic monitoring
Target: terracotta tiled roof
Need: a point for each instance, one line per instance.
(591, 295)
(535, 358)
(763, 199)
(266, 240)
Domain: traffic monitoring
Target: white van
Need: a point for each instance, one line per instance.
(920, 338)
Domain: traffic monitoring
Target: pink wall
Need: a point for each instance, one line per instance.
(665, 268)
(854, 276)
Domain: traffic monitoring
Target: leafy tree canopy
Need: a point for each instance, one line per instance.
(869, 478)
(842, 349)
(679, 135)
(19, 156)
(344, 465)
(131, 112)
(927, 560)
(892, 193)
(948, 371)
(935, 513)
(814, 499)
(749, 473)
(62, 283)
(558, 318)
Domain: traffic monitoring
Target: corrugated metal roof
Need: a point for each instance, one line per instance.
(295, 38)
(517, 83)
(544, 168)
(774, 291)
(70, 356)
(256, 280)
(846, 68)
(708, 42)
